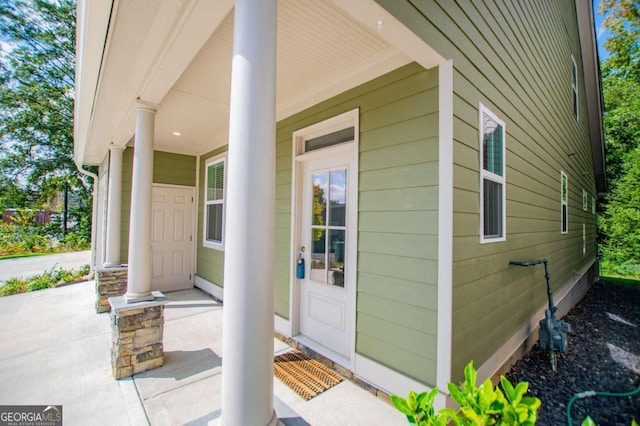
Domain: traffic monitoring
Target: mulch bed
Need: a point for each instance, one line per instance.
(604, 355)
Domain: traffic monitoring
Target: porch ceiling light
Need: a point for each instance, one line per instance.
(176, 133)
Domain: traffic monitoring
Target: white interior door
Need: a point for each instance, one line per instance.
(325, 295)
(172, 239)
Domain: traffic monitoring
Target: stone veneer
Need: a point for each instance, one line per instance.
(110, 282)
(137, 330)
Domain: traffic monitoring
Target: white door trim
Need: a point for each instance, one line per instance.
(342, 121)
(194, 223)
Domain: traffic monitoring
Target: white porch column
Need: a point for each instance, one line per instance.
(114, 206)
(247, 369)
(139, 274)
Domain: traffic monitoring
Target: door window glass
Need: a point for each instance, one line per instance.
(328, 226)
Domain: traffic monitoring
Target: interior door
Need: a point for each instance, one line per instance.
(324, 295)
(172, 238)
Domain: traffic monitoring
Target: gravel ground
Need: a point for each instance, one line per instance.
(603, 355)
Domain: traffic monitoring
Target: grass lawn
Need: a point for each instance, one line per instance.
(15, 256)
(620, 280)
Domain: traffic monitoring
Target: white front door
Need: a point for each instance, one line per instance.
(172, 239)
(326, 234)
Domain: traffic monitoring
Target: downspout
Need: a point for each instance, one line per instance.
(94, 209)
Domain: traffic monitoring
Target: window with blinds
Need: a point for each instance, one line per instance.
(214, 204)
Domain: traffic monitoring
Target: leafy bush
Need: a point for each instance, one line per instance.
(48, 279)
(628, 269)
(75, 241)
(13, 286)
(41, 282)
(589, 422)
(484, 405)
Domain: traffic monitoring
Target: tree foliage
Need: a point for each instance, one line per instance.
(621, 121)
(37, 68)
(621, 82)
(620, 220)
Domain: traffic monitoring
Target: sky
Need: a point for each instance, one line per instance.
(601, 33)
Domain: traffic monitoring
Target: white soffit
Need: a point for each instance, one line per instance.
(322, 51)
(324, 48)
(149, 44)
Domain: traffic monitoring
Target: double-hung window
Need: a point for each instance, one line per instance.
(564, 196)
(214, 203)
(492, 178)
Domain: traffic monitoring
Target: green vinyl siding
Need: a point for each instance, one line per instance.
(174, 169)
(209, 262)
(397, 221)
(515, 58)
(168, 168)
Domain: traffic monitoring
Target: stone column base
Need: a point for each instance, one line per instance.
(136, 336)
(110, 282)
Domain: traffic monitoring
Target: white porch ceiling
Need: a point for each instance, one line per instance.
(318, 46)
(178, 55)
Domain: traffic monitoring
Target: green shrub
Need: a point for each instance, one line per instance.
(625, 269)
(41, 282)
(48, 279)
(84, 271)
(484, 405)
(13, 286)
(419, 408)
(75, 241)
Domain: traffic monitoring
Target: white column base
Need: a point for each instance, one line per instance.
(112, 265)
(135, 298)
(273, 422)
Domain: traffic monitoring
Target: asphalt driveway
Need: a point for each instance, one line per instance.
(23, 267)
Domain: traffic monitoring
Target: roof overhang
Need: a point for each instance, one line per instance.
(92, 24)
(591, 65)
(178, 55)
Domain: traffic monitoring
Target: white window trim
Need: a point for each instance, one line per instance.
(593, 205)
(584, 239)
(574, 88)
(564, 202)
(222, 158)
(485, 174)
(585, 201)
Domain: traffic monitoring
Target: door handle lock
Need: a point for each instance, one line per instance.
(300, 267)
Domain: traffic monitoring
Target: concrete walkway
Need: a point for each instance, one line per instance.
(23, 267)
(54, 349)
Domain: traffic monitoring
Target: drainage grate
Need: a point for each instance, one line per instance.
(305, 376)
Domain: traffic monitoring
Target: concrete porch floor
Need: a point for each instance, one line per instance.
(54, 349)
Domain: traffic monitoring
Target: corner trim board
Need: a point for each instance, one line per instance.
(445, 224)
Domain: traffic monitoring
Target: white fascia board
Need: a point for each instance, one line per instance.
(593, 90)
(381, 23)
(92, 27)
